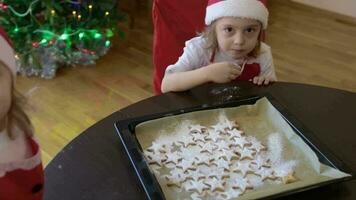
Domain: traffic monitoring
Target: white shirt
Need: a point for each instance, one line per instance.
(196, 55)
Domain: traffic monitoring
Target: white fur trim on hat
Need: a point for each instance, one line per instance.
(7, 56)
(251, 9)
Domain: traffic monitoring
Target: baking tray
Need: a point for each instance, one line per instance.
(126, 131)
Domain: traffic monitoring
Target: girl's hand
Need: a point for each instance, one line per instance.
(222, 72)
(265, 80)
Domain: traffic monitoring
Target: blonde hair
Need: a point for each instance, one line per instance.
(16, 116)
(209, 34)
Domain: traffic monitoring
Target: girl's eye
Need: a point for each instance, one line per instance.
(228, 29)
(250, 30)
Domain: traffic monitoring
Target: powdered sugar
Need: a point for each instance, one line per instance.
(218, 161)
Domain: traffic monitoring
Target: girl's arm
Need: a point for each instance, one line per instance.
(191, 70)
(181, 81)
(268, 73)
(217, 72)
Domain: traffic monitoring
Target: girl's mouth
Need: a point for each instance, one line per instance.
(238, 50)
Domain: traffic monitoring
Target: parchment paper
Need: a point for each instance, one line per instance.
(258, 120)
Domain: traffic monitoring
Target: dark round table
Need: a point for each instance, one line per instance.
(95, 165)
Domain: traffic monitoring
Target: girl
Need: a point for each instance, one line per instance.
(229, 49)
(21, 173)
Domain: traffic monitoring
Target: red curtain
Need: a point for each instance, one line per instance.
(175, 21)
(4, 35)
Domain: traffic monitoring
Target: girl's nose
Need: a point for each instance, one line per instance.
(239, 38)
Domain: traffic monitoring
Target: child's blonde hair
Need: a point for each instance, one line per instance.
(16, 116)
(209, 34)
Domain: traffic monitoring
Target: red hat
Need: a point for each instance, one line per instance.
(250, 9)
(7, 55)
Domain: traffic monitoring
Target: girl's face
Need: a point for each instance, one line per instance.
(5, 93)
(237, 36)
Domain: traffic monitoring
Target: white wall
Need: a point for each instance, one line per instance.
(346, 7)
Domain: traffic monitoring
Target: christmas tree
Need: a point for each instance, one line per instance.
(47, 34)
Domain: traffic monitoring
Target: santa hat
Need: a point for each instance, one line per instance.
(251, 9)
(7, 55)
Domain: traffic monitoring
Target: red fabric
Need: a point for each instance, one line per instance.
(23, 184)
(264, 2)
(175, 21)
(249, 72)
(5, 36)
(213, 1)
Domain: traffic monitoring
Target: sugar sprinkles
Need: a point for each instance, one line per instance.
(218, 161)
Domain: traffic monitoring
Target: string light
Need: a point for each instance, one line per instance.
(43, 41)
(97, 36)
(109, 33)
(53, 12)
(81, 35)
(3, 7)
(35, 44)
(74, 2)
(29, 10)
(42, 31)
(64, 36)
(107, 43)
